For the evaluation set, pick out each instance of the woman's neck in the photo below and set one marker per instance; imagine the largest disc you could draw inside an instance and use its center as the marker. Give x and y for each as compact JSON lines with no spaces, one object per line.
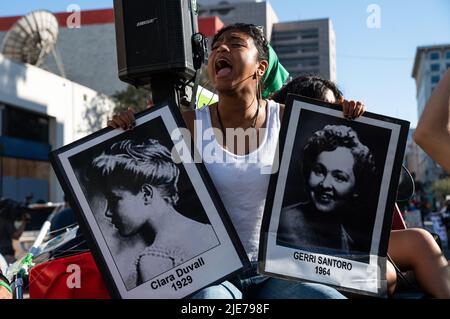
{"x":171,"y":221}
{"x":332,"y":218}
{"x":237,"y":110}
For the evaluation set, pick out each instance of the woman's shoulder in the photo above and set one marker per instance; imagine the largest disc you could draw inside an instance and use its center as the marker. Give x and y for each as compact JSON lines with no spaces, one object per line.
{"x":151,"y":265}
{"x":197,"y":233}
{"x":294,"y":207}
{"x":281,"y":108}
{"x":188,"y":116}
{"x":291,"y":214}
{"x":161,"y":257}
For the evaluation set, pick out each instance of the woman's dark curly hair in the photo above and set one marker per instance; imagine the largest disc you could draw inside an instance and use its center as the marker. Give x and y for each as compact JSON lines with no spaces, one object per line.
{"x":312,"y":86}
{"x":253,"y":31}
{"x":332,"y":137}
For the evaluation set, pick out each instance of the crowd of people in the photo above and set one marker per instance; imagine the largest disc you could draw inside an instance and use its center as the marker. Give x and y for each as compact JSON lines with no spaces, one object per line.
{"x":239,"y":59}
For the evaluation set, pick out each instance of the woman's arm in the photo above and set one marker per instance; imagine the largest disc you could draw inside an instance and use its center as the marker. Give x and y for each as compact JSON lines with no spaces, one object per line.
{"x":432,"y":133}
{"x":5,"y":288}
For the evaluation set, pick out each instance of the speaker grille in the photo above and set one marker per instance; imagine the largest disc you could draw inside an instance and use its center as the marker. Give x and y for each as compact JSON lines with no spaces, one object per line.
{"x":156,"y":38}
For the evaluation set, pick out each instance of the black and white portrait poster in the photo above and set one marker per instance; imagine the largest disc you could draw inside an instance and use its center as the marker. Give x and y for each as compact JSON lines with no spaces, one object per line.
{"x":154,"y":222}
{"x":329,"y":207}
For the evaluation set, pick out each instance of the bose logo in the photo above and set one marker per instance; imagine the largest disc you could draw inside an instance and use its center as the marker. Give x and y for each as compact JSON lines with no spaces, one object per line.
{"x":141,"y":23}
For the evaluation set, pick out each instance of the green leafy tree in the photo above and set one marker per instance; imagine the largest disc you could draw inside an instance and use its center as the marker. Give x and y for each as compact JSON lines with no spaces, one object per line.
{"x":137,"y":98}
{"x":441,"y":188}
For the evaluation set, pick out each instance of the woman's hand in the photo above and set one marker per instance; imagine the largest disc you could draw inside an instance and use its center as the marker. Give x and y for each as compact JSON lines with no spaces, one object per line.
{"x":352,"y":109}
{"x":124,"y":120}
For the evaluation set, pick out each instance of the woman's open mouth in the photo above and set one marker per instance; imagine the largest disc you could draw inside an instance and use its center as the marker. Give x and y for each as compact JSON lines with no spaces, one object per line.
{"x":223,"y":67}
{"x":325,"y":198}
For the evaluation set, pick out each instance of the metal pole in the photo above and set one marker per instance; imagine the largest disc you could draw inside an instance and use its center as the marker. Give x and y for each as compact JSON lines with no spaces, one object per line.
{"x":18,"y":283}
{"x":164,"y":88}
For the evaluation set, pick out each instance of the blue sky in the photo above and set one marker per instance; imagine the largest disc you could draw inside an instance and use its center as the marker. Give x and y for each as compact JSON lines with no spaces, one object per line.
{"x":373,"y":65}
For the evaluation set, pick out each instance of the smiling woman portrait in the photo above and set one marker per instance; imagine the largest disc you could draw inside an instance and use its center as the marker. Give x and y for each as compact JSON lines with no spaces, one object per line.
{"x":335,"y":167}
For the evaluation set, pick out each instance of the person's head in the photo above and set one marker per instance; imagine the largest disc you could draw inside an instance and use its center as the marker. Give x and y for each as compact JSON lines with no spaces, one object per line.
{"x":311,"y":86}
{"x":140,"y":181}
{"x":335,"y":164}
{"x":238,"y":58}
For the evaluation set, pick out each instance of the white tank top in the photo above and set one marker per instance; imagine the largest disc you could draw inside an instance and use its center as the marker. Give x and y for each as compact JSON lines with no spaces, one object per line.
{"x":241,"y":180}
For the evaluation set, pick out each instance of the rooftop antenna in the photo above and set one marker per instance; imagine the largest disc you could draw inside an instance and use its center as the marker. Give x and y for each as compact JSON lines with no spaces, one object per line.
{"x":32,"y":38}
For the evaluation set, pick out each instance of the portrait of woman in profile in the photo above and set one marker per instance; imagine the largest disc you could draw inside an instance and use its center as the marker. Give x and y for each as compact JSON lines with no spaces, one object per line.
{"x":337,"y":170}
{"x":140,"y":191}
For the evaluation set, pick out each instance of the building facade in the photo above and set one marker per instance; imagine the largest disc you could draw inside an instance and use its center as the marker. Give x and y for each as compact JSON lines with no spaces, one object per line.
{"x":306,"y":47}
{"x":430,"y":64}
{"x":258,"y":13}
{"x":41,"y":111}
{"x":88,"y":52}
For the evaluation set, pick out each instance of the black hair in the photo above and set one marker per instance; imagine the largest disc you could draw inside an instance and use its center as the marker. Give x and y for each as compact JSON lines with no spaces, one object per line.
{"x":312,"y":86}
{"x":332,"y":137}
{"x":253,"y":31}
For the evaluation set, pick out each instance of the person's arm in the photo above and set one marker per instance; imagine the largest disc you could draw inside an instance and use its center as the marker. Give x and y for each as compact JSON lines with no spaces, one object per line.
{"x":126,"y":120}
{"x":5,"y":288}
{"x":432,"y":133}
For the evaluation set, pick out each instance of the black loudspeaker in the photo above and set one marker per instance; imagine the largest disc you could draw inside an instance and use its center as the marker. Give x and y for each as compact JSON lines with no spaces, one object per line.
{"x":153,"y":39}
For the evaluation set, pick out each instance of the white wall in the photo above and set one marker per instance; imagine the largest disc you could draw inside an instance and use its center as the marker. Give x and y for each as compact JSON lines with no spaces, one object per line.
{"x":68,"y":103}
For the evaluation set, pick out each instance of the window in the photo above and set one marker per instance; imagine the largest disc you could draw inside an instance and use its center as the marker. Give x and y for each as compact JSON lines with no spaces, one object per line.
{"x":302,"y":47}
{"x":25,"y":125}
{"x":296,"y":32}
{"x":284,"y":37}
{"x":285,"y":49}
{"x":435,"y":79}
{"x":306,"y":50}
{"x":448,"y":65}
{"x":435,"y":67}
{"x":448,"y":55}
{"x":434,"y":55}
{"x":301,"y":62}
{"x":312,"y":35}
{"x":309,"y":47}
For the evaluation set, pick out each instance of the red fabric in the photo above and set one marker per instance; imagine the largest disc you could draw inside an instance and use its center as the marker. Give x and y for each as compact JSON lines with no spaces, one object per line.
{"x":49,"y":280}
{"x":398,"y":222}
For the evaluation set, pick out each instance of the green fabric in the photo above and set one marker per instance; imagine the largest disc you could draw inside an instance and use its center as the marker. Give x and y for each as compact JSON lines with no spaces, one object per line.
{"x":5,"y":284}
{"x":276,"y":75}
{"x":28,"y":260}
